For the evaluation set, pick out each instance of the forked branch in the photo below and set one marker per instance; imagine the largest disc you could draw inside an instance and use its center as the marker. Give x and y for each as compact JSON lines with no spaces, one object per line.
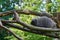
{"x":19,"y":38}
{"x":28,"y":27}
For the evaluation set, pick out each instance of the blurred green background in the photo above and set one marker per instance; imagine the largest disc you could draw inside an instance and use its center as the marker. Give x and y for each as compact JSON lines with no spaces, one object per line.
{"x":49,"y":6}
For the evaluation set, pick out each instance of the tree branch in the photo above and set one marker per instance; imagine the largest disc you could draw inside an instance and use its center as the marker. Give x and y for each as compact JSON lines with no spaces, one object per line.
{"x":19,"y":38}
{"x":29,"y":30}
{"x":16,"y":16}
{"x":38,"y":28}
{"x":9,"y":21}
{"x":31,"y":26}
{"x":27,"y":12}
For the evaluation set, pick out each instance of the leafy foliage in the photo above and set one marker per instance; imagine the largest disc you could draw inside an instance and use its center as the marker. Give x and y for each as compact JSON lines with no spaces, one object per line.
{"x":36,"y":5}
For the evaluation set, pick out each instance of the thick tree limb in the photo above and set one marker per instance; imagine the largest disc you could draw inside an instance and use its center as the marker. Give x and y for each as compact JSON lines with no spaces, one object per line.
{"x":32,"y":27}
{"x":16,"y":16}
{"x":19,"y":38}
{"x":28,"y":30}
{"x":38,"y":28}
{"x":6,"y":13}
{"x":27,"y":12}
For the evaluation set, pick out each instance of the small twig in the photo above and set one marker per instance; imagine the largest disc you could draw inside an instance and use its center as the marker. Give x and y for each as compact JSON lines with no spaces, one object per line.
{"x":9,"y":21}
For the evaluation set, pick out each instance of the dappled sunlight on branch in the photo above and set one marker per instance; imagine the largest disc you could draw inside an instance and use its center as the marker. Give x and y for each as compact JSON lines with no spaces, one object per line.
{"x":28,"y":27}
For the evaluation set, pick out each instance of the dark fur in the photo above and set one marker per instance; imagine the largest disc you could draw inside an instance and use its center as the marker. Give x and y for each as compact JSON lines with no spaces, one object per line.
{"x":46,"y":22}
{"x":43,"y":22}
